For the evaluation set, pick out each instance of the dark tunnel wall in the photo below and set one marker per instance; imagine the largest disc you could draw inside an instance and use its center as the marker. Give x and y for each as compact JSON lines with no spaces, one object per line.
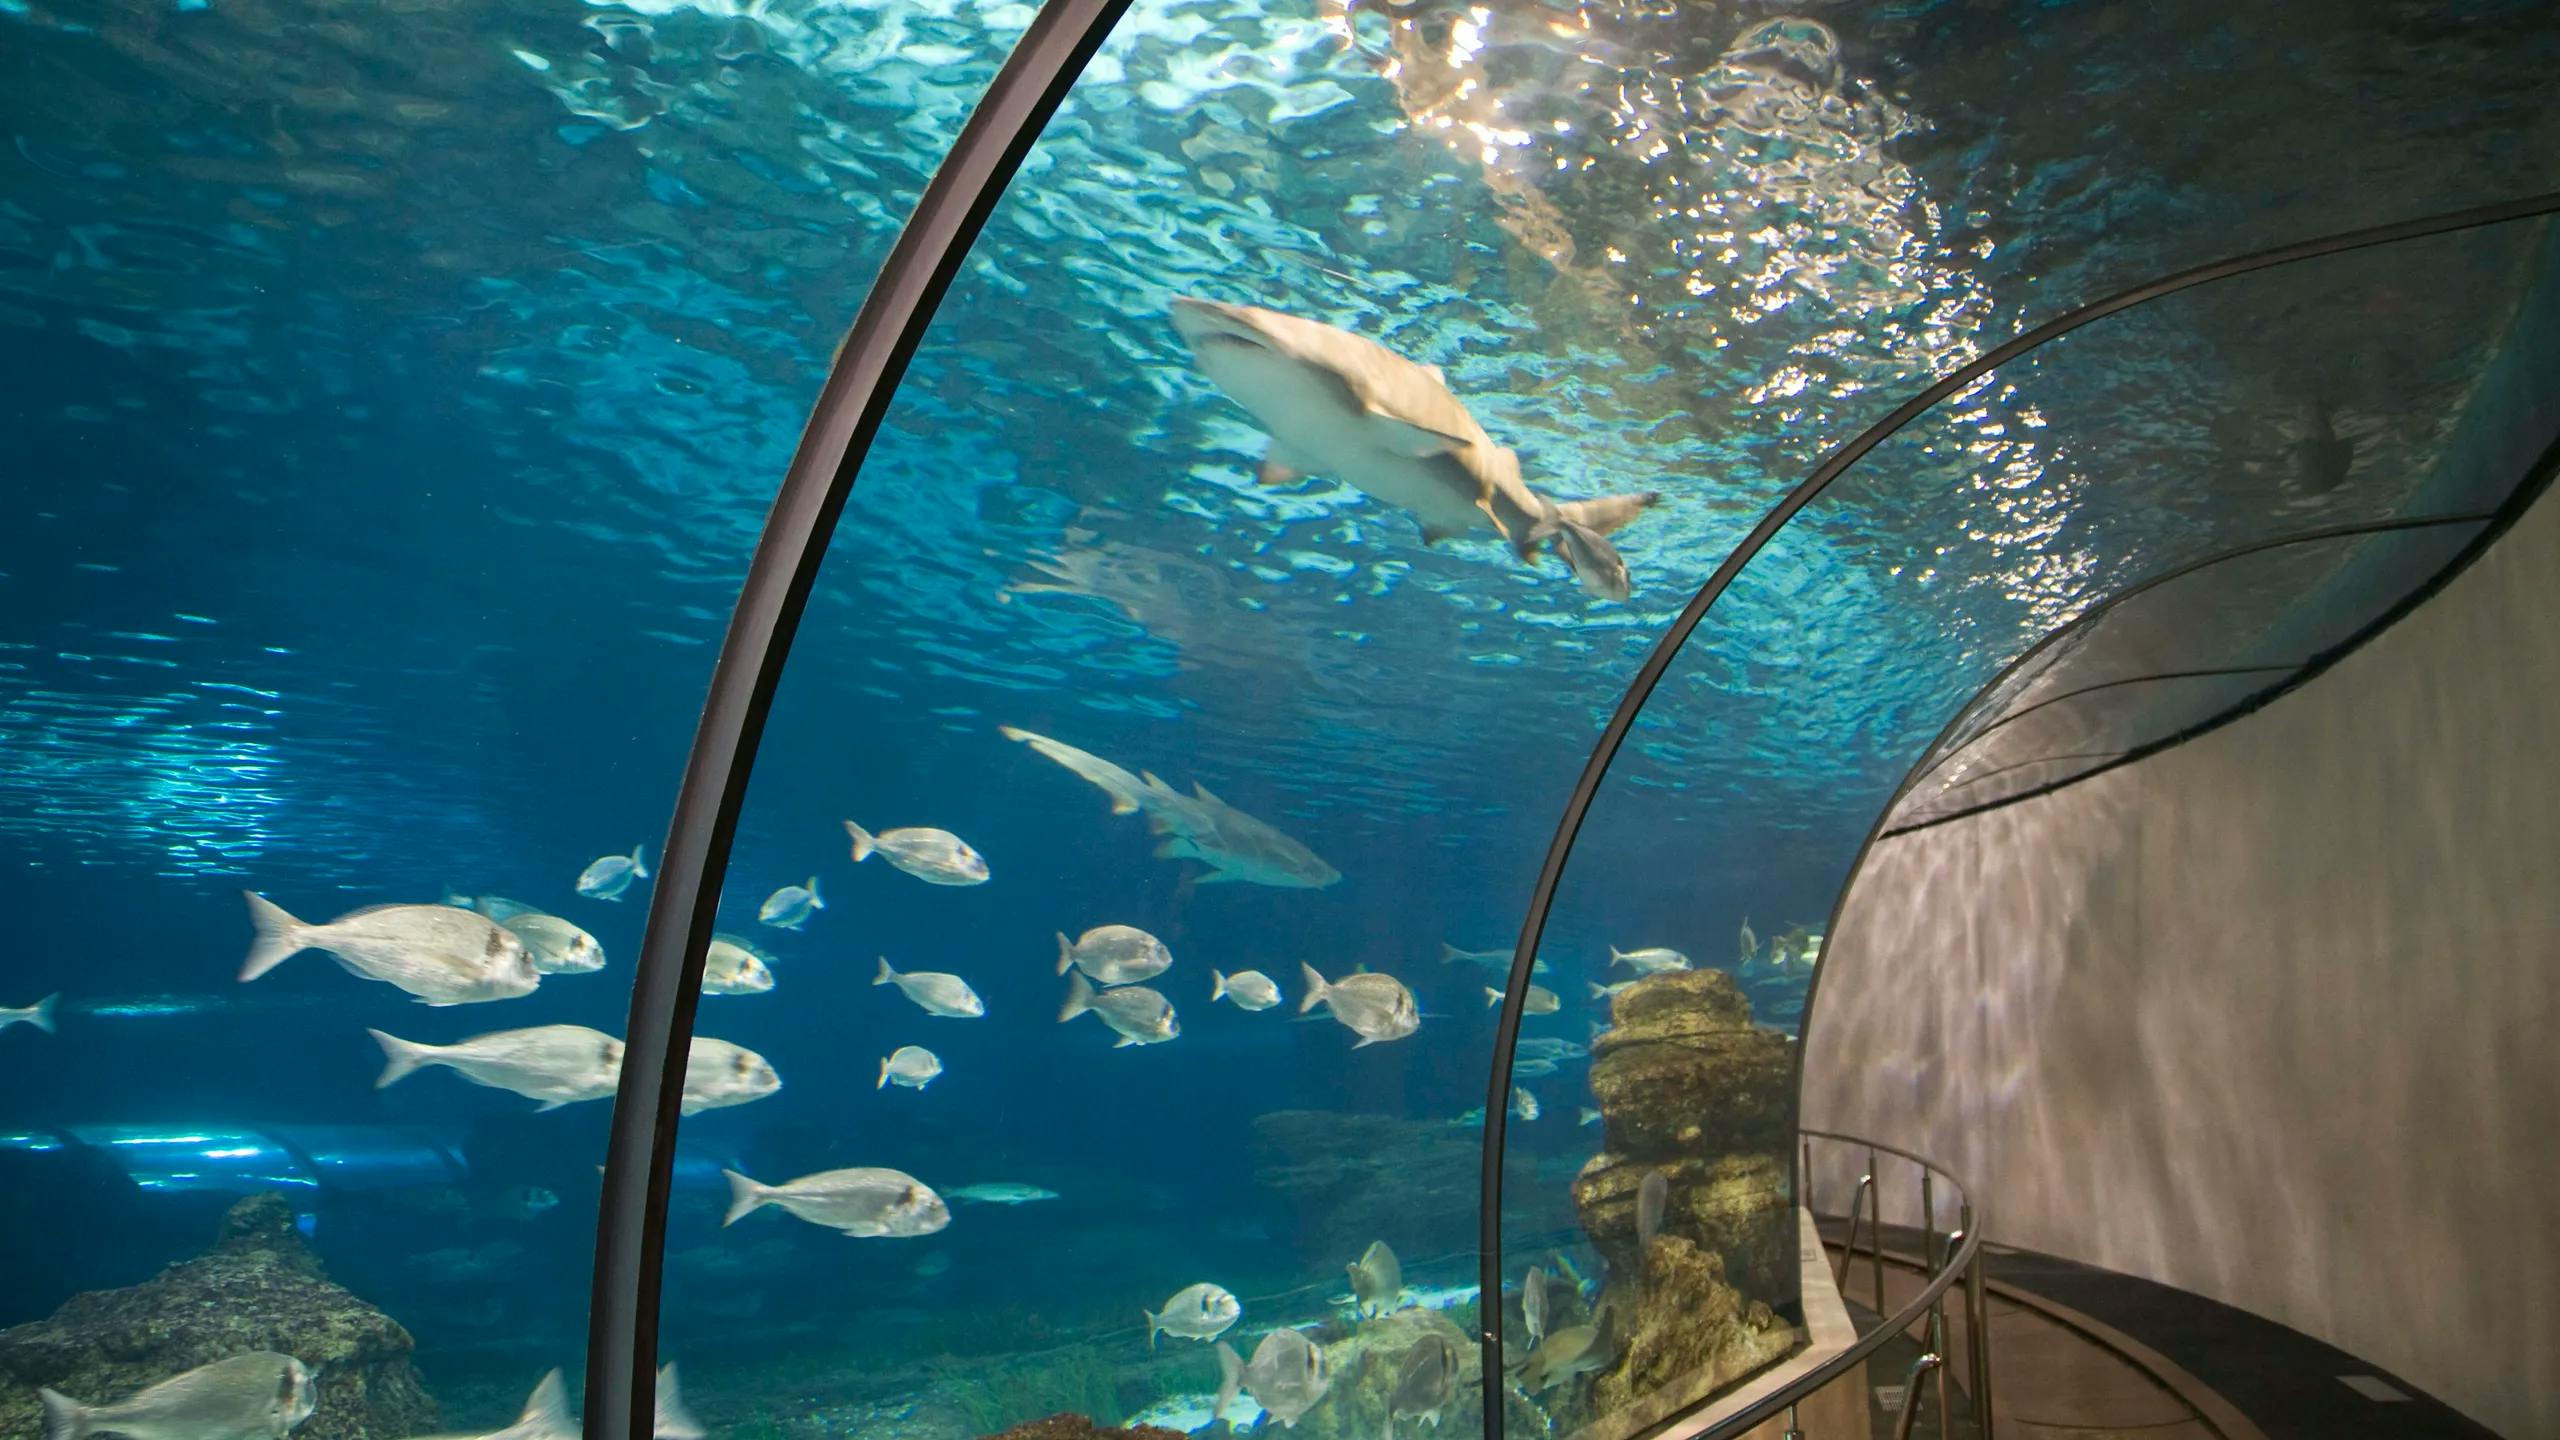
{"x":2266,"y":1015}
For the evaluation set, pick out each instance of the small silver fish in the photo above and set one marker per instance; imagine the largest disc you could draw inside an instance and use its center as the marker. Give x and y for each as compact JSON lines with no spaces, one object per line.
{"x":1524,"y":1104}
{"x":1652,"y":1193}
{"x":733,"y":967}
{"x":911,"y":1066}
{"x":1377,"y":1280}
{"x":1608,"y":992}
{"x":1653,"y":960}
{"x":1533,"y":1304}
{"x":1490,"y":959}
{"x":936,"y":857}
{"x":1140,"y":1016}
{"x":555,"y":1064}
{"x":607,"y":878}
{"x":1540,"y":1000}
{"x":718,"y":1074}
{"x":1532,"y":1067}
{"x":935,"y":992}
{"x":1426,"y":1381}
{"x":864,"y":1202}
{"x":1286,"y":1377}
{"x":1552,"y":1047}
{"x":40,"y":1014}
{"x":257,"y":1396}
{"x":1375,"y":1007}
{"x":1114,"y":955}
{"x":1002,"y":1192}
{"x":442,"y":955}
{"x":1196,"y":1312}
{"x":1247,"y":989}
{"x":1750,"y":949}
{"x":557,"y":947}
{"x":790,"y":907}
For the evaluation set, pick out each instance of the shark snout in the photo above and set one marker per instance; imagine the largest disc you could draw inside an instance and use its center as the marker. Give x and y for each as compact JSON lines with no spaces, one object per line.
{"x":1207,"y":321}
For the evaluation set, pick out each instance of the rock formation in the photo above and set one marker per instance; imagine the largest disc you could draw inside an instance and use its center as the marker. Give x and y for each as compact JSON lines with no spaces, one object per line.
{"x":258,"y":1288}
{"x":1689,"y":1088}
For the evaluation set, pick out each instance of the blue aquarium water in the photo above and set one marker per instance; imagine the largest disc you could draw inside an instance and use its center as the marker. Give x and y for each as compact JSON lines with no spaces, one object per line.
{"x":393,"y":398}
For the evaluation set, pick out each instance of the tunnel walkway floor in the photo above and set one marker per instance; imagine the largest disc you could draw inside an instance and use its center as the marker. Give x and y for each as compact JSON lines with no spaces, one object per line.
{"x":2081,"y":1353}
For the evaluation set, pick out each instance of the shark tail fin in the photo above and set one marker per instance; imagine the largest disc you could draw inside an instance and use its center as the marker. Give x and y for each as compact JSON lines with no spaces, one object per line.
{"x":673,"y":1422}
{"x":546,"y":1410}
{"x":1608,"y":513}
{"x":64,"y":1417}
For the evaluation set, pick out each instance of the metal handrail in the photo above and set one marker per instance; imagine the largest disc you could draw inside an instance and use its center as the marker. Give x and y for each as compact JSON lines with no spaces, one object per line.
{"x":1962,"y":1262}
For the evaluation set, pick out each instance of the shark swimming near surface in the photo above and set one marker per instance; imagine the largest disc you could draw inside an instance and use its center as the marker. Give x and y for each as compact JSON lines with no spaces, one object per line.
{"x":1339,"y":405}
{"x":1198,"y":826}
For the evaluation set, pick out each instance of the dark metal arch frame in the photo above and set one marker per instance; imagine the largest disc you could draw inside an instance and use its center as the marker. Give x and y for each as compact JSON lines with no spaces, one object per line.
{"x":1658,"y":662}
{"x":2081,"y":622}
{"x":622,"y":1317}
{"x":2493,"y":524}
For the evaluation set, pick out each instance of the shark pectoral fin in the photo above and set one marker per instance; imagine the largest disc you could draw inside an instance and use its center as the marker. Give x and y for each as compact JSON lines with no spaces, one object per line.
{"x":1279,"y":467}
{"x":1408,"y":439}
{"x":1608,"y":512}
{"x":1214,"y":877}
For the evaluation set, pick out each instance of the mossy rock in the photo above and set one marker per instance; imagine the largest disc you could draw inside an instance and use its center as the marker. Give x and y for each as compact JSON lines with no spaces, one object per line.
{"x":1685,"y":1330}
{"x":1068,"y":1426}
{"x":1734,"y":1206}
{"x":258,"y":1288}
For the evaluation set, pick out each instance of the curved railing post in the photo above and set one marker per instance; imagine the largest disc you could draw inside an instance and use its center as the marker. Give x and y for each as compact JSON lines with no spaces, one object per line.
{"x":622,"y":1317}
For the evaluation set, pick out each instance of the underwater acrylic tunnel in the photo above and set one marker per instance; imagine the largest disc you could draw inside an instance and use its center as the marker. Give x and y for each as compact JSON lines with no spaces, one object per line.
{"x":1069,"y":982}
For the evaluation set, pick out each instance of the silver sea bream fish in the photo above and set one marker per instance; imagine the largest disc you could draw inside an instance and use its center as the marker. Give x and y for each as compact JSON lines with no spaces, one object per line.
{"x":555,"y":1064}
{"x":260,"y":1395}
{"x":607,"y":878}
{"x":866,"y":1202}
{"x":442,"y":955}
{"x":935,"y":992}
{"x":936,"y":857}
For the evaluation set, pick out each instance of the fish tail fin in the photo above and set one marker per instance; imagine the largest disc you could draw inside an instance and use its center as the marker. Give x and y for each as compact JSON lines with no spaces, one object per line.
{"x":674,"y":1422}
{"x":1217,"y":986}
{"x":40,"y":1014}
{"x":1315,"y":989}
{"x":400,"y":1058}
{"x":1598,"y":990}
{"x":1492,"y":997}
{"x":1448,"y":953}
{"x":816,"y":901}
{"x":639,"y":862}
{"x":1079,"y":999}
{"x":280,"y":936}
{"x":64,"y":1417}
{"x":745,"y":1197}
{"x":886,"y":976}
{"x":1606,"y":514}
{"x":1155,"y":1326}
{"x":1230,"y":1379}
{"x":863,"y":844}
{"x":883,"y":1082}
{"x":1066,"y":953}
{"x":546,"y":1410}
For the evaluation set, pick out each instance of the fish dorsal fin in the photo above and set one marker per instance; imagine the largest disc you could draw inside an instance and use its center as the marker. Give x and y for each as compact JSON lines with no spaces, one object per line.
{"x":1203,"y":792}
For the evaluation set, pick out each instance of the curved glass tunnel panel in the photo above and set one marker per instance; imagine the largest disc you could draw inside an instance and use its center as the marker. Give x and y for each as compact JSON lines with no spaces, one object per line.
{"x":1720,"y":838}
{"x":2174,"y":653}
{"x":391,"y":401}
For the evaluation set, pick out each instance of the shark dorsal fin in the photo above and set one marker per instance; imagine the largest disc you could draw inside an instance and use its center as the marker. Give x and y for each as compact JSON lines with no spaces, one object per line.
{"x":1203,"y":792}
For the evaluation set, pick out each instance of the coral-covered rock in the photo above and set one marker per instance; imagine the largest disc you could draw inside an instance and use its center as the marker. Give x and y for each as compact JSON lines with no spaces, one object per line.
{"x":1685,"y":1330}
{"x":1734,"y":1206}
{"x":1364,"y":1365}
{"x":1682,"y":1072}
{"x":258,"y":1288}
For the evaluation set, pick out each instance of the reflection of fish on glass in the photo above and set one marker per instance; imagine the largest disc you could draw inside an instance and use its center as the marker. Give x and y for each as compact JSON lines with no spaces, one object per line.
{"x":257,"y":1396}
